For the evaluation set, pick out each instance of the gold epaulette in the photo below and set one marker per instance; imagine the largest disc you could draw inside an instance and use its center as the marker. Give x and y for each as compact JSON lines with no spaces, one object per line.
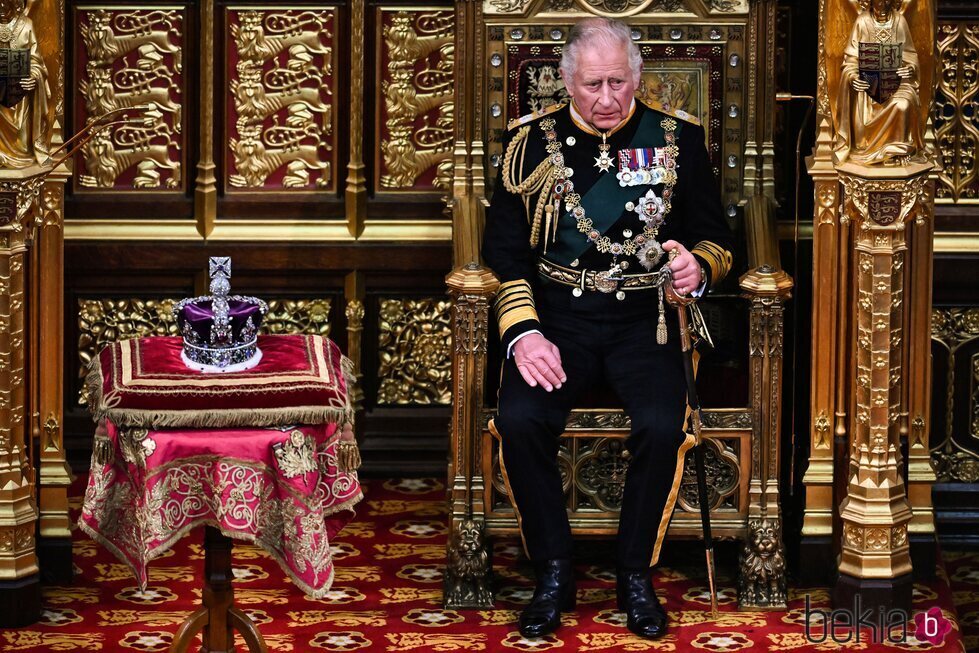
{"x":676,"y":113}
{"x":523,"y":120}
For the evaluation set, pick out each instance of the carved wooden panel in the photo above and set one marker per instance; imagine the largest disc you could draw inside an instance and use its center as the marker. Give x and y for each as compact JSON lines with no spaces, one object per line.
{"x":415,"y":351}
{"x":415,"y":109}
{"x":955,"y":400}
{"x":954,"y":114}
{"x":280,"y":101}
{"x":127,"y":57}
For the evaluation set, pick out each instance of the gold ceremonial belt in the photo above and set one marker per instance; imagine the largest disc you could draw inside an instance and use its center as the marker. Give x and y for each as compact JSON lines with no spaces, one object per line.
{"x":605,"y":281}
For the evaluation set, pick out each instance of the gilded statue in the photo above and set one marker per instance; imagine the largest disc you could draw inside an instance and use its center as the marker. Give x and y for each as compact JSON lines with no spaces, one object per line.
{"x":24,"y":129}
{"x":878,"y":105}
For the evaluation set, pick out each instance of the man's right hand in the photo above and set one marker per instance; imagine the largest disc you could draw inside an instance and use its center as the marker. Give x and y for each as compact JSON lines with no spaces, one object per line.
{"x":539,"y":361}
{"x":861,"y":85}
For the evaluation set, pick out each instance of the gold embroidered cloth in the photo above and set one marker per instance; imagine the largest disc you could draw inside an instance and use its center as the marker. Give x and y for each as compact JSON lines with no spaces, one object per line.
{"x":280,"y":488}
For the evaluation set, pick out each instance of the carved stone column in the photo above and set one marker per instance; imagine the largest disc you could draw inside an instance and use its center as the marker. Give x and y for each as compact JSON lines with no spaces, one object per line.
{"x":467,"y":573}
{"x":828,"y":404}
{"x":761,"y":583}
{"x":916,"y":424}
{"x":875,"y":559}
{"x":20,"y":595}
{"x":47,"y":378}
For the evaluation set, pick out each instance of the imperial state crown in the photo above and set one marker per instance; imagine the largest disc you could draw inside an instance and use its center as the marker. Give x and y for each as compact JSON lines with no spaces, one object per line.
{"x":220,"y":330}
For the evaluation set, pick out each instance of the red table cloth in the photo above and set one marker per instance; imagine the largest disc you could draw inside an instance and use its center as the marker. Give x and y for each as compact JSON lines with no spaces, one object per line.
{"x":280,"y":488}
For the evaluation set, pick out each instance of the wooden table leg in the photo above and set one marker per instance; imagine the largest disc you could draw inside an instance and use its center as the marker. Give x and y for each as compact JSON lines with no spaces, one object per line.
{"x":219,"y":616}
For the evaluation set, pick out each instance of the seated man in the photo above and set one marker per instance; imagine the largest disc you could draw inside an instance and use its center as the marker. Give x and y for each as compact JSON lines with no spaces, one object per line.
{"x":586,"y":192}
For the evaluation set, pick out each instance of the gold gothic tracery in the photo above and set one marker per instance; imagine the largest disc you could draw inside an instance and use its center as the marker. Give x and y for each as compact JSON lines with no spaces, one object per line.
{"x":282,"y":85}
{"x":956,"y":122}
{"x":414,"y":346}
{"x":416,"y":86}
{"x":955,"y":440}
{"x":132,"y":57}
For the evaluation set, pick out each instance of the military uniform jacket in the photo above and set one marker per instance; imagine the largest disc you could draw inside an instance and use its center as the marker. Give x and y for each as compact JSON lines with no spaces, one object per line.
{"x":536,"y":215}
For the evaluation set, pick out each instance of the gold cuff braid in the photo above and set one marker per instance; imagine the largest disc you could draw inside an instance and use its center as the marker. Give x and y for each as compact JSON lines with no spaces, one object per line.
{"x":718,"y":258}
{"x":514,"y":303}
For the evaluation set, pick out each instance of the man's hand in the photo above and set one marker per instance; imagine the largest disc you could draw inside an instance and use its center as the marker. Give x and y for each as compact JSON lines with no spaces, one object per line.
{"x":28,"y":83}
{"x":860,"y":85}
{"x":539,"y":361}
{"x":905,"y":72}
{"x":686,"y":269}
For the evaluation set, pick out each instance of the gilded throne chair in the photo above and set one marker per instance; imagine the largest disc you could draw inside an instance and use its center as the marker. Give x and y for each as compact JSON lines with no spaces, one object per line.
{"x":696,"y":61}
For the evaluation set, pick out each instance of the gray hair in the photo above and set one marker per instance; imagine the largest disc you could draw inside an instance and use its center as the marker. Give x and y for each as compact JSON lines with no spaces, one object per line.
{"x":602,"y":32}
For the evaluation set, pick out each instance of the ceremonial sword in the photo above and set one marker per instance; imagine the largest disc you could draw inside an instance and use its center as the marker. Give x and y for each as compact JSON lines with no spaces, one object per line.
{"x":681,"y":303}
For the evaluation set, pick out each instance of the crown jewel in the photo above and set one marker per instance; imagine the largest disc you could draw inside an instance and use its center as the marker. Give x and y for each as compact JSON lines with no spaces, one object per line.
{"x":220,"y":330}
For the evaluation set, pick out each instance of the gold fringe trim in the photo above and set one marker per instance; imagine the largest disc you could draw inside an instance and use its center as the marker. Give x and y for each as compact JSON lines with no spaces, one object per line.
{"x":234,"y":417}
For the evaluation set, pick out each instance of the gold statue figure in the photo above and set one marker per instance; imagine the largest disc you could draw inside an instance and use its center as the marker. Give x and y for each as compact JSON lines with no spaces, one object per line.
{"x":24,"y":129}
{"x":878,"y":106}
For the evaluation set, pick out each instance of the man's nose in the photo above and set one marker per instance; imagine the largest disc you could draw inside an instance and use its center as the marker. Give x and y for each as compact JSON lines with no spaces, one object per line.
{"x":605,"y":95}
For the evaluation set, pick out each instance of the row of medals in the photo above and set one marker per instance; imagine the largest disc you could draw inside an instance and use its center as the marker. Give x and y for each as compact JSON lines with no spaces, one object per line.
{"x":650,"y":208}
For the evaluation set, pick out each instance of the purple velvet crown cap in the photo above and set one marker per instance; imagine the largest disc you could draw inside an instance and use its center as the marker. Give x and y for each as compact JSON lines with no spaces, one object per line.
{"x":199,"y":316}
{"x":220,"y":331}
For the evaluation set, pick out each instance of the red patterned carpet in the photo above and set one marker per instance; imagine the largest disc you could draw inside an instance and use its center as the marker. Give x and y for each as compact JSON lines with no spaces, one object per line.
{"x":387,"y":597}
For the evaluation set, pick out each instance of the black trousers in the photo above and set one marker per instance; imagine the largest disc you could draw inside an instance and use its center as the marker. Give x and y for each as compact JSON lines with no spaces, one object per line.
{"x":649,"y":380}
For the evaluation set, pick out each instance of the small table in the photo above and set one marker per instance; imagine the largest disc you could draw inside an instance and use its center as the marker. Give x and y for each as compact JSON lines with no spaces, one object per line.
{"x":219,"y":616}
{"x":279,"y":488}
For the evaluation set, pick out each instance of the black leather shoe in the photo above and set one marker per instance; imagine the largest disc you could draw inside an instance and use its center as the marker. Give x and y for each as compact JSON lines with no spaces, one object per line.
{"x":637,"y":598}
{"x":555,"y":592}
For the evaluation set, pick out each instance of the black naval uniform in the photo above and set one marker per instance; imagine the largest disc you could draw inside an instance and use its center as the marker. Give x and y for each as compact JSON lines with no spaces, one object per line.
{"x":599,"y":334}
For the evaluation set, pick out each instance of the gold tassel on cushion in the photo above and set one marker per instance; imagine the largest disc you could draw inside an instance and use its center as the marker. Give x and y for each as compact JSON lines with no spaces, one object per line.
{"x":348,"y":454}
{"x":103,"y":452}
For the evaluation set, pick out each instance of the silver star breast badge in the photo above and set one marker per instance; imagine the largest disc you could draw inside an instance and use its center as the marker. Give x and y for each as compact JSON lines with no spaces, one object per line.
{"x":603,"y":162}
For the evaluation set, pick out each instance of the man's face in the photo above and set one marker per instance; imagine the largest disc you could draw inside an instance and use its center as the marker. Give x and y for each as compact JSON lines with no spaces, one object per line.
{"x":602,"y":86}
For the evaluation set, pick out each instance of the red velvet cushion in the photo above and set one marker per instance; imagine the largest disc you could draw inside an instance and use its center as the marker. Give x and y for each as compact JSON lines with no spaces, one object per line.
{"x":301,"y":379}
